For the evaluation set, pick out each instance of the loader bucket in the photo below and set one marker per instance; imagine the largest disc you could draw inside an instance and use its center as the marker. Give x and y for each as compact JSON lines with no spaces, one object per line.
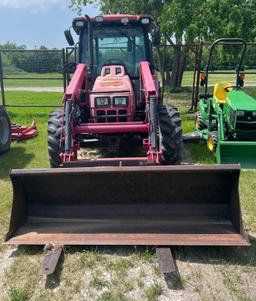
{"x":144,"y":205}
{"x":237,"y":152}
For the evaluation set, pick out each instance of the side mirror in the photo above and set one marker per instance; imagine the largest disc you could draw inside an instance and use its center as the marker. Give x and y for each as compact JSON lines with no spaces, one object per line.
{"x":69,"y":37}
{"x":156,"y":37}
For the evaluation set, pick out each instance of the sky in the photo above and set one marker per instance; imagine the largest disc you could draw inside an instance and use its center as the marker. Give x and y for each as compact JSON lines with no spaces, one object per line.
{"x":37,"y":22}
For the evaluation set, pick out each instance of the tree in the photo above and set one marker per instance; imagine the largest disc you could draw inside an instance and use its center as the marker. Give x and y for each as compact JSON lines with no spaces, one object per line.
{"x":187,"y":21}
{"x":44,"y":61}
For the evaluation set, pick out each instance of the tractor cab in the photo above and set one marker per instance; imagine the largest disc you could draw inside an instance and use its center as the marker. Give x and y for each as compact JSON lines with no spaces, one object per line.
{"x":113,"y":48}
{"x":115,"y":40}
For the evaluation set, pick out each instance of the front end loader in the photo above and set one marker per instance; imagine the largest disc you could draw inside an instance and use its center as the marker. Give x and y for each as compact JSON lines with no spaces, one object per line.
{"x":227,"y":118}
{"x":113,"y":97}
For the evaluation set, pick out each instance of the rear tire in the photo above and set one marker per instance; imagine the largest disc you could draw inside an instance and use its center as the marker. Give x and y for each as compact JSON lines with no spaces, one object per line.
{"x":56,"y":142}
{"x":170,"y":135}
{"x":5,"y":131}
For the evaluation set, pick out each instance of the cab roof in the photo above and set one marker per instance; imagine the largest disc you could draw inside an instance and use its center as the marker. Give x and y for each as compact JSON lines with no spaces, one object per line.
{"x":112,"y":19}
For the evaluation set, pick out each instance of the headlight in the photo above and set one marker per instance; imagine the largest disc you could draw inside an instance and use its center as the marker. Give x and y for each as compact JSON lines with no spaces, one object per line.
{"x":240,"y":114}
{"x":102,"y":101}
{"x":254,"y":114}
{"x":121,"y":101}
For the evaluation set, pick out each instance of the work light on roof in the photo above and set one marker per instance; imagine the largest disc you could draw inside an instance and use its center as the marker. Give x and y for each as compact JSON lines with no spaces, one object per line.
{"x":79,"y":24}
{"x":145,"y":21}
{"x":125,"y":20}
{"x":99,"y":19}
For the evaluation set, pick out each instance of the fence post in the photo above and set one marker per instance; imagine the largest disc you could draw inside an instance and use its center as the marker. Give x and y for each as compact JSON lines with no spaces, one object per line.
{"x":63,"y":71}
{"x":2,"y":80}
{"x":199,"y":61}
{"x":194,"y":80}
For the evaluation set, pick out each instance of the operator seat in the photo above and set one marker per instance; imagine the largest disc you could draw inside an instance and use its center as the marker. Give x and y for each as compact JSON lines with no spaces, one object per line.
{"x":219,"y":93}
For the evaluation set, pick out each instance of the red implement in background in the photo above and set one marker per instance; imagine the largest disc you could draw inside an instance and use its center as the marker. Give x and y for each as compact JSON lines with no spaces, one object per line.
{"x":19,"y":132}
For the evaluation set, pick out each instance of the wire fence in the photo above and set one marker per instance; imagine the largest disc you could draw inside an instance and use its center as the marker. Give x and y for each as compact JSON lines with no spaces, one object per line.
{"x":37,"y":70}
{"x":225,"y":60}
{"x":44,"y":70}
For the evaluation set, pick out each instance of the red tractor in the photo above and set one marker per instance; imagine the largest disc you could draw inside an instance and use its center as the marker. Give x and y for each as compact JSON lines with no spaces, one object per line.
{"x":114,"y":95}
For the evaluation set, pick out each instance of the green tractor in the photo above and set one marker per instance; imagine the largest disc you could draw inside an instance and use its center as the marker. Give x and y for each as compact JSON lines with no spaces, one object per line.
{"x":227,"y":118}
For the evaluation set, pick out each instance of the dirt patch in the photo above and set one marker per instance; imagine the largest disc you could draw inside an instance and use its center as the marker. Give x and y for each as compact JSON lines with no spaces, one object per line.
{"x":35,"y":89}
{"x":7,"y":258}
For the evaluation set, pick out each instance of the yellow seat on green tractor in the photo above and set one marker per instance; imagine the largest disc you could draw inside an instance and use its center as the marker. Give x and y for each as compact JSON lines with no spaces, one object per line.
{"x":220,"y":94}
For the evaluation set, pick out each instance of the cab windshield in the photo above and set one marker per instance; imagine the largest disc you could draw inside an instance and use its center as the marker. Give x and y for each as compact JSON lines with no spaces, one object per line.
{"x":116,"y":45}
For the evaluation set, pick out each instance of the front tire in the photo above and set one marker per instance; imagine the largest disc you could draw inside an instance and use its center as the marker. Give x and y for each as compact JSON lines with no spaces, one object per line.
{"x":170,"y":135}
{"x":212,"y":141}
{"x":199,"y":122}
{"x":5,"y":131}
{"x":56,"y":139}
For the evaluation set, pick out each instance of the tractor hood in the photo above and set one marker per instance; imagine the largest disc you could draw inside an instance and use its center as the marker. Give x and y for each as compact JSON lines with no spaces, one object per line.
{"x":110,"y":84}
{"x":113,"y":79}
{"x":241,"y":101}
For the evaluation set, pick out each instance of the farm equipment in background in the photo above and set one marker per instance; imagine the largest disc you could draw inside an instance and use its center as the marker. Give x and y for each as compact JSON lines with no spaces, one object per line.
{"x":20,"y":132}
{"x":114,"y":96}
{"x":9,"y":132}
{"x":227,"y":119}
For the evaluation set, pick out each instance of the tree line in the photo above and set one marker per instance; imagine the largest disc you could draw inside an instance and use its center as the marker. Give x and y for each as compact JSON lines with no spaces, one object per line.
{"x":187,"y":21}
{"x":45,"y":61}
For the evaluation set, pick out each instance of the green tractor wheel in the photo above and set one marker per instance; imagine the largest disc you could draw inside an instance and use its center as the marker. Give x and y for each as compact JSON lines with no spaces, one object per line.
{"x":199,"y":123}
{"x":212,"y":141}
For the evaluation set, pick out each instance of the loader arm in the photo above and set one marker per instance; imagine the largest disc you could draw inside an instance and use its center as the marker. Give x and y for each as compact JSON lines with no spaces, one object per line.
{"x":148,"y":87}
{"x":78,"y":82}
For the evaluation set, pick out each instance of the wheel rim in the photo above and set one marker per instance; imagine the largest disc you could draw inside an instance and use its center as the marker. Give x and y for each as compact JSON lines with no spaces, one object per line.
{"x":197,"y":123}
{"x":210,"y":143}
{"x":4,"y":130}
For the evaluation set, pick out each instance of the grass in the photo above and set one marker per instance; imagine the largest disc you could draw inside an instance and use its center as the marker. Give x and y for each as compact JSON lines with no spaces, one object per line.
{"x":18,"y":294}
{"x":49,"y":80}
{"x":250,"y":79}
{"x":153,"y":292}
{"x":115,"y":274}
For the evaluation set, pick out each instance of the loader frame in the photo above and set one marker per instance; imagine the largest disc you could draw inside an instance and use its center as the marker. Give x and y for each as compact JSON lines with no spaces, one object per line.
{"x":150,"y":144}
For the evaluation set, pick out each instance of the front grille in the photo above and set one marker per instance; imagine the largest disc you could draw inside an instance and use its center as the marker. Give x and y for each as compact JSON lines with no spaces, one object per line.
{"x":112,"y":116}
{"x":101,"y":113}
{"x":122,"y":112}
{"x":248,"y":117}
{"x":112,"y":113}
{"x":246,"y":126}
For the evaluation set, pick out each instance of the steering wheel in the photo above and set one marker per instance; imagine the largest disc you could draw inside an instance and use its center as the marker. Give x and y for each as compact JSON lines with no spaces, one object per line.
{"x":229,"y":87}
